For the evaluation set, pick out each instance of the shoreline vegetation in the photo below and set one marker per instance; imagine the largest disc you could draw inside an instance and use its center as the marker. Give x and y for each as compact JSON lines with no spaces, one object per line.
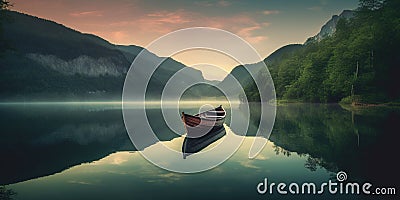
{"x":344,"y":104}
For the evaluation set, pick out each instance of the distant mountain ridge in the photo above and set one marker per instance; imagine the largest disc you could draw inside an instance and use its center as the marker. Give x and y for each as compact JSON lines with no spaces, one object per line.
{"x":50,"y":61}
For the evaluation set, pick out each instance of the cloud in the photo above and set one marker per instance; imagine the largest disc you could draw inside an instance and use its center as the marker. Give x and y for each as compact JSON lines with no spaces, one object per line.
{"x":119,"y":35}
{"x":248,"y":35}
{"x":87,"y":14}
{"x":271,"y":12}
{"x":140,"y":26}
{"x":178,"y":17}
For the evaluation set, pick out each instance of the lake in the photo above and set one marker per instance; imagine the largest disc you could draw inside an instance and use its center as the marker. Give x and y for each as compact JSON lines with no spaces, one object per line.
{"x":82,"y":151}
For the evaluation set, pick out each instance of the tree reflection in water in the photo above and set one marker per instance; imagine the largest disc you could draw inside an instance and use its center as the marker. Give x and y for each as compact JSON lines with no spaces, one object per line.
{"x":332,"y":137}
{"x":6,"y":194}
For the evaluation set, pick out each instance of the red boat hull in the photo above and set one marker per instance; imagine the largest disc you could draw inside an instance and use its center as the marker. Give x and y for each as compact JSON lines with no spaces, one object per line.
{"x":204,"y":123}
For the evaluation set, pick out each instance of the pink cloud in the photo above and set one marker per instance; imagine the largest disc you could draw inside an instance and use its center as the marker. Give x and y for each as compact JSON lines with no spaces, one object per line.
{"x":130,"y":24}
{"x":247,"y":34}
{"x":177,"y":17}
{"x":87,"y":13}
{"x":143,"y":29}
{"x":242,"y":25}
{"x":119,"y":35}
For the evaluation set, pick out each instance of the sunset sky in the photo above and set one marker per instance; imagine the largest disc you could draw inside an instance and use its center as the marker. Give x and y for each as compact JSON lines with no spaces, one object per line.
{"x":267,"y":25}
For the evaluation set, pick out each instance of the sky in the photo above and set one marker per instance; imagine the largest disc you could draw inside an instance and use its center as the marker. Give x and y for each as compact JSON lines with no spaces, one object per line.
{"x":266,"y":24}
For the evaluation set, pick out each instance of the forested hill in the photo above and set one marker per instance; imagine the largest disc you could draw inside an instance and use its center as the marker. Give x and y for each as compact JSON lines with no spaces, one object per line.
{"x":361,"y":54}
{"x":41,"y":60}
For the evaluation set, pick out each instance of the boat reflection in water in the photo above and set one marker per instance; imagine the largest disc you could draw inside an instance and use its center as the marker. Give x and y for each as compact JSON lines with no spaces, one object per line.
{"x":194,"y":145}
{"x":202,"y":129}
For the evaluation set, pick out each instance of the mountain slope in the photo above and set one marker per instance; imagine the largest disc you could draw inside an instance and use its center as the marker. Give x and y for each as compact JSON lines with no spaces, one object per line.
{"x":243,"y":76}
{"x":281,"y":52}
{"x":52,"y":62}
{"x":329,"y":28}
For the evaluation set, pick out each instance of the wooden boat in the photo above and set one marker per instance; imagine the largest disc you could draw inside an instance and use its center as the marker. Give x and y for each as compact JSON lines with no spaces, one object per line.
{"x":204,"y":123}
{"x":194,"y":145}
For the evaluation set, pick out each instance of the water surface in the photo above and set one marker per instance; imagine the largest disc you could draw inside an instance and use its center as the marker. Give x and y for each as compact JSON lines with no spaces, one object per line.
{"x":83,"y":151}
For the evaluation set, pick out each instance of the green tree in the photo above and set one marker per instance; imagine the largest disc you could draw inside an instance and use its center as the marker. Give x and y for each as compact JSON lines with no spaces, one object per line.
{"x":371,"y":4}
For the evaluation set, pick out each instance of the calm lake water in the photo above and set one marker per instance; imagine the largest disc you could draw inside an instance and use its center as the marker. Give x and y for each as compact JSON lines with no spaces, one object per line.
{"x":84,"y":152}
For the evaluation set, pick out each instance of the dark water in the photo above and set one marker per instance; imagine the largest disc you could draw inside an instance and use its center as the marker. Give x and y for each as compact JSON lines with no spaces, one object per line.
{"x":84,"y":152}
